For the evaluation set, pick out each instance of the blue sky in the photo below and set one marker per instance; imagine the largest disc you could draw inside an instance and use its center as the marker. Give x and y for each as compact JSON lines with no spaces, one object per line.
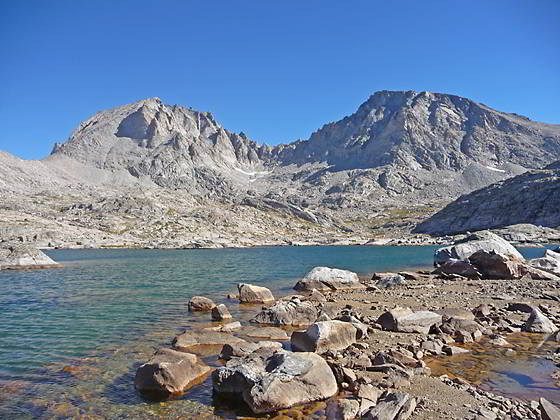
{"x":275,"y":70}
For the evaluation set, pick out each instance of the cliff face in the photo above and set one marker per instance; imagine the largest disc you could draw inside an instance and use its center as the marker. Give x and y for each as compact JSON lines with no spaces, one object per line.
{"x":397,"y":158}
{"x":533,"y":198}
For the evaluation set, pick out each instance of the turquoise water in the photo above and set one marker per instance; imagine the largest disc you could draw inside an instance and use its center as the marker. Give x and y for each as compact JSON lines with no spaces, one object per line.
{"x":71,"y":338}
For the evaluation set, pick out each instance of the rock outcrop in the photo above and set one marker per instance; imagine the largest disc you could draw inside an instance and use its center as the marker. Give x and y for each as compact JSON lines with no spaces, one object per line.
{"x":272,"y":380}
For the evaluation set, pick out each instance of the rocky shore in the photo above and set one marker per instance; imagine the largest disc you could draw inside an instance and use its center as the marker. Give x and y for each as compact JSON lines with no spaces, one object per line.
{"x":375,"y":347}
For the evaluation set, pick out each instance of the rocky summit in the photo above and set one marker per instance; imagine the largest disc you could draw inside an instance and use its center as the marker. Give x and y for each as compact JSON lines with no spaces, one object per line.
{"x":156,"y":175}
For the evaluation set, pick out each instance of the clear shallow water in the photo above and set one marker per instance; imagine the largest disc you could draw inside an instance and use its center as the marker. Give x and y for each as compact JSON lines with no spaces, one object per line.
{"x":71,"y":338}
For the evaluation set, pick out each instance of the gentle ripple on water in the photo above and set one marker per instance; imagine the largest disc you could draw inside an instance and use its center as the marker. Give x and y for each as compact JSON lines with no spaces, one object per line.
{"x":71,"y":338}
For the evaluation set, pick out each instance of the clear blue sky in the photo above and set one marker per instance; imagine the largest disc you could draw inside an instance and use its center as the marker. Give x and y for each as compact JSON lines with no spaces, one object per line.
{"x":275,"y":70}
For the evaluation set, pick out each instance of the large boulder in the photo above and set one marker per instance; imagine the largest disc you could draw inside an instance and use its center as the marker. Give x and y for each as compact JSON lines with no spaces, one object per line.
{"x":493,"y":265}
{"x":479,"y":241}
{"x":24,"y":257}
{"x":388,"y":320}
{"x":273,"y":380}
{"x":539,"y":323}
{"x":169,"y":372}
{"x":324,"y":336}
{"x":249,"y":293}
{"x":325,"y":279}
{"x":193,"y":338}
{"x":201,"y":304}
{"x":293,"y":312}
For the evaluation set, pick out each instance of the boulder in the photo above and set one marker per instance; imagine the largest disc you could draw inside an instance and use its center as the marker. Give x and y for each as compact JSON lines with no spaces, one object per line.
{"x":479,"y":241}
{"x":388,"y":320}
{"x":390,"y":282}
{"x":392,"y":406}
{"x":538,"y":323}
{"x":521,"y":307}
{"x":404,"y":320}
{"x":24,"y":257}
{"x":192,"y":338}
{"x":342,"y":409}
{"x":326,"y":279}
{"x":269,"y":333}
{"x":324,"y":336}
{"x":317,"y":296}
{"x":550,"y":262}
{"x":229,"y":327}
{"x":457,"y":313}
{"x":460,"y":268}
{"x":493,"y":265}
{"x":482,"y":310}
{"x":169,"y":372}
{"x":418,"y":322}
{"x":548,"y":410}
{"x":452,"y":326}
{"x":453,"y":350}
{"x":294,"y":312}
{"x":220,"y":313}
{"x":249,"y":293}
{"x":273,"y":380}
{"x":201,"y":303}
{"x":243,"y":349}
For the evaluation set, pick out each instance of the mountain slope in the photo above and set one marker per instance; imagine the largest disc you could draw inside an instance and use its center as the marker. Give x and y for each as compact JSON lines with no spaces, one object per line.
{"x":149,"y":172}
{"x":533,"y":197}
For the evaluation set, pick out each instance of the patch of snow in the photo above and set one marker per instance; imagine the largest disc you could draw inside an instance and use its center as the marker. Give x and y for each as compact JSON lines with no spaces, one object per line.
{"x":495,"y":169}
{"x":252,"y":173}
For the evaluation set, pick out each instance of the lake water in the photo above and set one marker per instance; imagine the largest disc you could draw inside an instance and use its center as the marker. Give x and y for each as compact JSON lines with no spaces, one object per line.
{"x":71,"y":338}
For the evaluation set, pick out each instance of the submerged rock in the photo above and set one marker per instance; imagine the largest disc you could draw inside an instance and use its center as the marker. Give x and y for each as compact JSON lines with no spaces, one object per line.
{"x":273,"y":380}
{"x":24,"y":257}
{"x":293,"y":312}
{"x":324,"y":336}
{"x":201,"y":304}
{"x":269,"y":333}
{"x":249,"y":293}
{"x":169,"y":372}
{"x":326,"y":279}
{"x":193,"y":338}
